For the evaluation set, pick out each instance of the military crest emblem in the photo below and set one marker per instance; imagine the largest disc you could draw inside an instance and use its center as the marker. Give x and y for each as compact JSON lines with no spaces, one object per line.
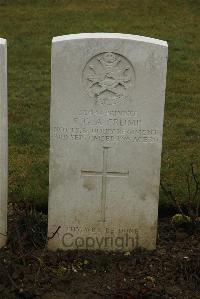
{"x":107,"y":77}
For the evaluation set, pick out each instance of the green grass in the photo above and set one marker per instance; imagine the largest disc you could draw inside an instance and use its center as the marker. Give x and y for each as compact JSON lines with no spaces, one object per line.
{"x":29,"y":27}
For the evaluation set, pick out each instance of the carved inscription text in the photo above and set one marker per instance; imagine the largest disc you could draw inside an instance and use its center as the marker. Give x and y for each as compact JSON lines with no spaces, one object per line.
{"x":107,"y":126}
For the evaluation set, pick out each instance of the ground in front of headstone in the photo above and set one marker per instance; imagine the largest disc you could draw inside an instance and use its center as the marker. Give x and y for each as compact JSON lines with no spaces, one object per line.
{"x":27,"y":270}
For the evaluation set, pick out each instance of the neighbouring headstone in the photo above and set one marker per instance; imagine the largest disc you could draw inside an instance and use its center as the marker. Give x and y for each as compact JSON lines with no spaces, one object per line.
{"x":3,"y":142}
{"x":107,"y":106}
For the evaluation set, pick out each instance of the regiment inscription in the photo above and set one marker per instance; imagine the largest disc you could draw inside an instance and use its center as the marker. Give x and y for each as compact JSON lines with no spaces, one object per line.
{"x":112,"y":126}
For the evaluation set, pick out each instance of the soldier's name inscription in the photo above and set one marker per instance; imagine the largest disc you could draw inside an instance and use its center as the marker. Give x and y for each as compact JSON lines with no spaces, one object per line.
{"x":107,"y":125}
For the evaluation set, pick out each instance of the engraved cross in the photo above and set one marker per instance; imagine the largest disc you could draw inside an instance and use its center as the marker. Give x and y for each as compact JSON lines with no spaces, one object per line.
{"x":104,"y":174}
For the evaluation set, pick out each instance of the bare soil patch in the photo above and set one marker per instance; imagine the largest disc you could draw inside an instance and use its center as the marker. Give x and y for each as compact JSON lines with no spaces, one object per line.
{"x":28,"y":270}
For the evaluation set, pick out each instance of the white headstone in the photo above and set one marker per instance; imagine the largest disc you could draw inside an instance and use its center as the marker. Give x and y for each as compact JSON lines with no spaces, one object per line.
{"x":107,"y":105}
{"x":3,"y":142}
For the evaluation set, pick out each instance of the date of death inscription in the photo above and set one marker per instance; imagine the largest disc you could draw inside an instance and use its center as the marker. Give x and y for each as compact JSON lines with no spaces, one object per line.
{"x":106,"y":126}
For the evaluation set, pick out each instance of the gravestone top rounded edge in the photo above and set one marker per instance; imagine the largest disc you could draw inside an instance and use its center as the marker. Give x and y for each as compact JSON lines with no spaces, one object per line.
{"x":101,"y":35}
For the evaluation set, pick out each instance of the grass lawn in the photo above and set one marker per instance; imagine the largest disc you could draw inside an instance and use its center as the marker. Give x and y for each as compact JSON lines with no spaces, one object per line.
{"x":29,"y":27}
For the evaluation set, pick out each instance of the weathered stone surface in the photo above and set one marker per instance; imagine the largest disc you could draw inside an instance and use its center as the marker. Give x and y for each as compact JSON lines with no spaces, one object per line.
{"x":108,"y":93}
{"x":3,"y":142}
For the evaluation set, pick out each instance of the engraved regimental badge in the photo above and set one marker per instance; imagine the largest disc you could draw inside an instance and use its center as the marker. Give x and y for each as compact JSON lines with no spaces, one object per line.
{"x":107,"y":77}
